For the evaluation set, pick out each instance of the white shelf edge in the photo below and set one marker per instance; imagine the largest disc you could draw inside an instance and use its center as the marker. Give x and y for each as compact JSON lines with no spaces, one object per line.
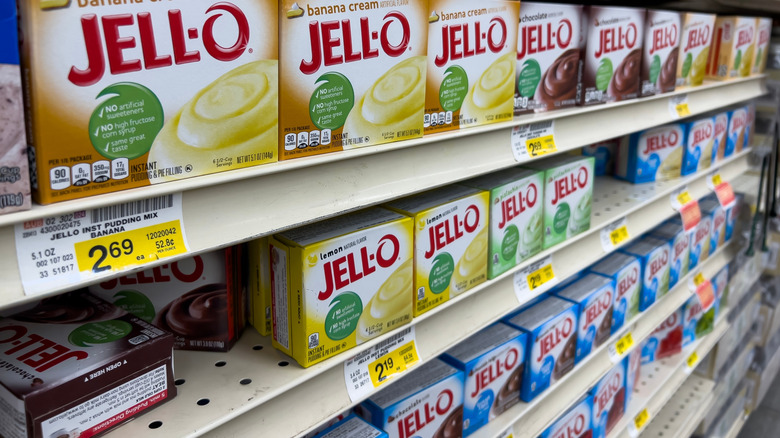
{"x":287,"y":194}
{"x":737,"y":426}
{"x":684,"y":411}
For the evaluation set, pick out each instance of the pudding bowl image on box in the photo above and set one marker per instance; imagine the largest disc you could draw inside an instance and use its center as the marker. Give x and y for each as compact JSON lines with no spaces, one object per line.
{"x":660,"y":52}
{"x":626,"y":271}
{"x":471,"y":63}
{"x":652,"y":155}
{"x":548,"y":57}
{"x":699,"y":141}
{"x":655,"y":255}
{"x":340,"y":282}
{"x":595,"y":295}
{"x":350,"y":77}
{"x":103,"y":120}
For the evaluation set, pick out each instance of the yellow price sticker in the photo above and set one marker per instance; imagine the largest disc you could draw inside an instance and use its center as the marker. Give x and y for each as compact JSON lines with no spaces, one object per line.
{"x":619,"y":235}
{"x":684,"y":197}
{"x":692,"y":360}
{"x":540,"y":146}
{"x":717,"y":180}
{"x":698,"y":279}
{"x":131,"y":248}
{"x":641,"y":419}
{"x":682,"y":109}
{"x":540,"y":276}
{"x":392,"y":363}
{"x":624,"y":343}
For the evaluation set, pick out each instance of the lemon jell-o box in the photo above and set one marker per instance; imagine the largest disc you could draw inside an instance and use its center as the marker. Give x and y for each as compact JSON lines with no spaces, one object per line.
{"x":350,"y":74}
{"x":450,"y":242}
{"x":340,"y":282}
{"x":763,"y":35}
{"x":516,"y":214}
{"x":695,"y":39}
{"x":138,"y":93}
{"x":471,"y":63}
{"x":568,"y":196}
{"x":733,"y":48}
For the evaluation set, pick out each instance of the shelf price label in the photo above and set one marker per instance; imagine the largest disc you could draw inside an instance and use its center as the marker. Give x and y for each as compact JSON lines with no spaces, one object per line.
{"x":690,"y":362}
{"x":683,"y":202}
{"x":533,"y":140}
{"x":704,"y":290}
{"x":639,"y":422}
{"x":678,"y":106}
{"x":86,"y":244}
{"x":508,"y":433}
{"x":614,"y":234}
{"x":387,"y":360}
{"x":620,"y":347}
{"x":534,"y":278}
{"x":723,"y":190}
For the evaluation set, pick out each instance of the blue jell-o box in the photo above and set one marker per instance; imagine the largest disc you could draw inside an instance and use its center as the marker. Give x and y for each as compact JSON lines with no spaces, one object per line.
{"x":492,"y":362}
{"x":626,"y":271}
{"x":577,"y":422}
{"x":711,"y":207}
{"x":604,"y":154}
{"x":551,"y":325}
{"x":426,"y":403}
{"x":735,"y":139}
{"x":655,"y":255}
{"x":651,"y":155}
{"x":699,"y":138}
{"x":595,"y":295}
{"x":700,"y":241}
{"x":352,"y":426}
{"x":680,"y":243}
{"x":720,"y":137}
{"x":609,"y":400}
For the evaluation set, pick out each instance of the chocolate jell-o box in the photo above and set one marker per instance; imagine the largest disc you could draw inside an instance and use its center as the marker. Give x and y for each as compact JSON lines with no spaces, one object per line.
{"x":200,"y":300}
{"x":471,"y":63}
{"x":695,"y":39}
{"x":595,"y":295}
{"x":551,"y":325}
{"x":548,"y":56}
{"x":108,"y":108}
{"x":350,"y":74}
{"x":492,"y":361}
{"x":577,"y":422}
{"x":77,"y":366}
{"x":609,"y":400}
{"x":613,"y":55}
{"x":426,"y":403}
{"x":626,"y":271}
{"x":660,"y":52}
{"x":666,"y":339}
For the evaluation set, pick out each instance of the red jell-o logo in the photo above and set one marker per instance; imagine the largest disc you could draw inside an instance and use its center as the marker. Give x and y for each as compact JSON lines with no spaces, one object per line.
{"x":570,"y":183}
{"x":559,"y":333}
{"x":662,"y":140}
{"x":573,"y":428}
{"x":720,"y":125}
{"x":609,"y":390}
{"x":495,"y":369}
{"x":332,"y":41}
{"x":425,"y":414}
{"x":543,"y":37}
{"x":663,"y":37}
{"x":702,"y":133}
{"x":34,"y":350}
{"x":515,"y":205}
{"x":744,"y":36}
{"x":108,"y":48}
{"x":697,"y":37}
{"x":598,"y":307}
{"x":670,"y":322}
{"x":466,"y":40}
{"x":719,"y":219}
{"x":702,"y":231}
{"x":446,"y":232}
{"x":681,"y":245}
{"x":159,"y":274}
{"x":628,"y":281}
{"x":763,"y":37}
{"x":616,"y":38}
{"x":345,"y":270}
{"x":659,"y":262}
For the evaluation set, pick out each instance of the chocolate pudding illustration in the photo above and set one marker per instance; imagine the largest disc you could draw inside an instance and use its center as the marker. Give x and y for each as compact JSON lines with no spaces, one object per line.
{"x":558,"y":87}
{"x":200,"y":313}
{"x":625,"y":81}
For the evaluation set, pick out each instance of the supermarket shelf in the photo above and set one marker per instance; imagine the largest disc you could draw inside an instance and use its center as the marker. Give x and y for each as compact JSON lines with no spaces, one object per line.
{"x":734,"y":431}
{"x":287,"y":194}
{"x":660,"y":380}
{"x":684,"y":411}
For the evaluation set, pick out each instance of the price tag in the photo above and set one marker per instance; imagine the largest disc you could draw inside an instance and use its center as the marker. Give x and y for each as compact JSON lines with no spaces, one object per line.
{"x":533,"y":140}
{"x":508,"y":433}
{"x":639,"y":422}
{"x":368,"y":370}
{"x":704,"y":290}
{"x":534,"y":278}
{"x":722,"y":189}
{"x":614,"y":234}
{"x":620,"y":347}
{"x":87,"y":244}
{"x":691,"y":362}
{"x":683,"y":202}
{"x":678,"y":106}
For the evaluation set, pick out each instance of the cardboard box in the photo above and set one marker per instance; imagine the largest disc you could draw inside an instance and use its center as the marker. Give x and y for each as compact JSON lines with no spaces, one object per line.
{"x":666,"y":340}
{"x":660,"y":52}
{"x":609,"y":400}
{"x":680,"y":244}
{"x":654,"y":154}
{"x":625,"y":271}
{"x":655,"y":255}
{"x":595,"y":296}
{"x":577,"y":422}
{"x":695,"y":39}
{"x":732,"y":54}
{"x":699,"y":141}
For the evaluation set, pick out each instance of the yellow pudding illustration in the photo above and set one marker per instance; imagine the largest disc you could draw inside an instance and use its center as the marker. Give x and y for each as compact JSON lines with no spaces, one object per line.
{"x":434,"y":17}
{"x":472,"y":267}
{"x":233,"y":116}
{"x":394,"y":103}
{"x":671,"y":166}
{"x":532,"y":237}
{"x":747,"y":62}
{"x":50,"y":4}
{"x":699,"y":67}
{"x":493,"y":92}
{"x":295,"y":11}
{"x":392,"y":302}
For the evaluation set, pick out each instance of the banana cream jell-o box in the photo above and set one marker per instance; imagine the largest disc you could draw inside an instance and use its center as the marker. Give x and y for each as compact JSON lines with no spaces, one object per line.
{"x":127,"y":94}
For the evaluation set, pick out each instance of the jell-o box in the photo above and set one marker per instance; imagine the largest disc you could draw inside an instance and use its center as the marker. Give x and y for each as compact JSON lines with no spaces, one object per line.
{"x":735,"y":137}
{"x":666,"y":339}
{"x":609,"y":400}
{"x":471,"y":63}
{"x":258,"y":285}
{"x":351,"y":426}
{"x":660,"y":52}
{"x":551,"y":324}
{"x":763,"y":35}
{"x":655,"y":255}
{"x":733,"y":49}
{"x":680,"y":242}
{"x":426,"y":403}
{"x":626,"y":271}
{"x":516,"y":215}
{"x":651,"y":155}
{"x":492,"y":361}
{"x":577,"y":422}
{"x":595,"y":295}
{"x":548,"y":56}
{"x":141,"y":93}
{"x":700,"y":242}
{"x":711,"y":208}
{"x":350,"y":77}
{"x":699,"y":140}
{"x":695,"y":39}
{"x":450,"y":242}
{"x":340,"y":282}
{"x":613,"y":55}
{"x":720,"y":136}
{"x":603,"y":153}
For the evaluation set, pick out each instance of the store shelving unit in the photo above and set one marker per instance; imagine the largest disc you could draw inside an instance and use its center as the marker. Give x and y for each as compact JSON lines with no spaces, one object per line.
{"x":684,"y":410}
{"x":287,"y":194}
{"x":734,"y":431}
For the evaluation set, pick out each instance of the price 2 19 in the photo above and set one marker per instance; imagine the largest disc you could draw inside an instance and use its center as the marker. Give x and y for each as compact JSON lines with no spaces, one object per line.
{"x":115,"y":250}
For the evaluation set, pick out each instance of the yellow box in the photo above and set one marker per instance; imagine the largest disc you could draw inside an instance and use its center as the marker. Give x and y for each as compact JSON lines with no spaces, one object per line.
{"x":695,"y":39}
{"x":472,"y":50}
{"x":124,"y":94}
{"x":351,"y":74}
{"x":732,"y":52}
{"x":450,"y":242}
{"x":259,"y":285}
{"x":763,"y":35}
{"x":340,"y":282}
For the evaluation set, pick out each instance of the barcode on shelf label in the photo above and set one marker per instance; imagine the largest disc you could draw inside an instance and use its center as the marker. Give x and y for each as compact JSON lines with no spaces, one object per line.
{"x":57,"y":251}
{"x":614,"y":234}
{"x":370,"y":369}
{"x":534,"y":279}
{"x":532,"y":140}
